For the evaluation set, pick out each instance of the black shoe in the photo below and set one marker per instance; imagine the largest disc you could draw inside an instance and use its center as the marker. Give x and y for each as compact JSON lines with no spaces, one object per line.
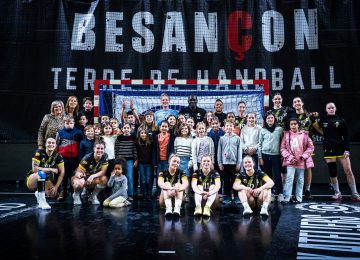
{"x":284,"y":202}
{"x":307,"y":195}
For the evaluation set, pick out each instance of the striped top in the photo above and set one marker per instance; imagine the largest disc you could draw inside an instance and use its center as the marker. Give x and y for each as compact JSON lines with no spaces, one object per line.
{"x":125,"y":147}
{"x":182,"y":146}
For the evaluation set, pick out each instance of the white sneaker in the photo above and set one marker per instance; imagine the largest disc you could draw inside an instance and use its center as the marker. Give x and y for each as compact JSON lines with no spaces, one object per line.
{"x":280,"y":198}
{"x":247,"y":211}
{"x":76,"y":197}
{"x":336,"y":196}
{"x":168,"y":211}
{"x":37,"y":197}
{"x":177,"y":211}
{"x":264,"y":211}
{"x":42,"y":203}
{"x":94,"y":200}
{"x":127,"y":203}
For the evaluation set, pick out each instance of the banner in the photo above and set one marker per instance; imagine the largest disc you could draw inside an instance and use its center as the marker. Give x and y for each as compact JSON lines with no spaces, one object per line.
{"x":53,"y":49}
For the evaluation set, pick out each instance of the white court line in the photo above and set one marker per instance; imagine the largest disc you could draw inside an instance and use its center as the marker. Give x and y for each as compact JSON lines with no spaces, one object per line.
{"x":166,"y":251}
{"x":16,"y":193}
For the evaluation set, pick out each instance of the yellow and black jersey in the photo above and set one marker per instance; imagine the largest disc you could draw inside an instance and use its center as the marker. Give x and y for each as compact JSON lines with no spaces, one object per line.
{"x":206,"y":180}
{"x":177,"y":177}
{"x":90,"y":166}
{"x":42,"y":159}
{"x":254,"y":181}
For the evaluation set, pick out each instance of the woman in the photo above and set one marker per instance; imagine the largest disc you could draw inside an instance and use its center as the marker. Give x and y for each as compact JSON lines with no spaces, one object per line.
{"x":72,"y":107}
{"x":172,"y":183}
{"x":296,"y":149}
{"x":306,"y":123}
{"x":254,"y":188}
{"x":337,"y":147}
{"x":269,"y":151}
{"x":51,"y":123}
{"x":206,"y":185}
{"x":281,"y":113}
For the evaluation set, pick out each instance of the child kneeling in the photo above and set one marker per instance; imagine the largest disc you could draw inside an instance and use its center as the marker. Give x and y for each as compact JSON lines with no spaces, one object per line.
{"x":118,"y":183}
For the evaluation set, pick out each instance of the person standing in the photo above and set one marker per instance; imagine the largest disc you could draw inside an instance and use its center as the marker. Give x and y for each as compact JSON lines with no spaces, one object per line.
{"x":192,"y":110}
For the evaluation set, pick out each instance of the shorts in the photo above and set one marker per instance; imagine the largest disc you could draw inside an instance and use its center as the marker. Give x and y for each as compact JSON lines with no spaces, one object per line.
{"x":334,"y":152}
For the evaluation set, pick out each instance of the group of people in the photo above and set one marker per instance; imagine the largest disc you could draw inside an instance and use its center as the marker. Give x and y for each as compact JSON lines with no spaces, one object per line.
{"x":223,"y":157}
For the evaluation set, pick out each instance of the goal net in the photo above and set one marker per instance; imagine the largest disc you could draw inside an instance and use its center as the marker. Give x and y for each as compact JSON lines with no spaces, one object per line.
{"x":110,"y":94}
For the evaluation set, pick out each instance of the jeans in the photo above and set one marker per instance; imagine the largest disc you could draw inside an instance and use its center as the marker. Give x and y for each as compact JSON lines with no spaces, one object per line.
{"x":272,"y":167}
{"x":298,"y":174}
{"x":145,"y":178}
{"x":184,"y":162}
{"x":130,"y":177}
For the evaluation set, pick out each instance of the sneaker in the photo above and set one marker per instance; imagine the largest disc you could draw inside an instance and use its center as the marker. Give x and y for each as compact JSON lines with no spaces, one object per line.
{"x":307,"y":195}
{"x":285,"y":202}
{"x":198,"y":211}
{"x":295,"y":201}
{"x":76,"y":197}
{"x":355,"y":197}
{"x":94,"y":200}
{"x":85,"y":194}
{"x":226,"y":200}
{"x":176,"y":211}
{"x":62,"y":196}
{"x":247,"y":211}
{"x":37,"y":197}
{"x":336,"y":196}
{"x":264,"y":211}
{"x":42,"y":203}
{"x":168,"y":211}
{"x":207,"y":211}
{"x":280,"y":198}
{"x":127,"y":203}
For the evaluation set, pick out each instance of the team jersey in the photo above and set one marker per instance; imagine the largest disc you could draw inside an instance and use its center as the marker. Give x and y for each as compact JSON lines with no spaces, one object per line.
{"x":335,"y":132}
{"x":255,"y":181}
{"x":90,"y":166}
{"x":173,"y":179}
{"x":240,"y":122}
{"x":42,"y":159}
{"x":206,"y":180}
{"x":306,"y":121}
{"x":282,"y":115}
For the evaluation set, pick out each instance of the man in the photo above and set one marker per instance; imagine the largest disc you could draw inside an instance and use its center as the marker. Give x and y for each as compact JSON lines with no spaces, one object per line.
{"x":47,"y":173}
{"x":163,"y":113}
{"x":192,"y":110}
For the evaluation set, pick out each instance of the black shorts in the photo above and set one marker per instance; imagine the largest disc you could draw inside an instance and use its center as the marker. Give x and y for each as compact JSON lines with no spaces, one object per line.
{"x":334,"y":152}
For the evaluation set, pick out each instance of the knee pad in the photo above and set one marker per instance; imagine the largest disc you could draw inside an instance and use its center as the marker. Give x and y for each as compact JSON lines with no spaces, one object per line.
{"x":332,"y":169}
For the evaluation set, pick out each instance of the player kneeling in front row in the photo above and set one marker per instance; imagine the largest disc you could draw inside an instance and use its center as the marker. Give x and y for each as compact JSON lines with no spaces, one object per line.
{"x":47,"y":165}
{"x":254,"y":188}
{"x":173,"y":182}
{"x":90,"y":174}
{"x":118,"y":183}
{"x":205,"y":184}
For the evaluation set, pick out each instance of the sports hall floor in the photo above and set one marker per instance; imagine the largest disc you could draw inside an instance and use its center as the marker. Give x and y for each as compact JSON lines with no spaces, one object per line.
{"x":316,"y":229}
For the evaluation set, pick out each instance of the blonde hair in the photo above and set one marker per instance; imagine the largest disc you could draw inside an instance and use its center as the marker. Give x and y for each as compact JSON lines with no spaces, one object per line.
{"x":67,"y":106}
{"x":56,"y":103}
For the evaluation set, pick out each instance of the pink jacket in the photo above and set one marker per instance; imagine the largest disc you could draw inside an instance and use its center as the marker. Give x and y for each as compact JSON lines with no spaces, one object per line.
{"x":296,"y":145}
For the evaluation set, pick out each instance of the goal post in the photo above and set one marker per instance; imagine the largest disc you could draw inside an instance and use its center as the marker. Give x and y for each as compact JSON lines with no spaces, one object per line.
{"x":108,"y":95}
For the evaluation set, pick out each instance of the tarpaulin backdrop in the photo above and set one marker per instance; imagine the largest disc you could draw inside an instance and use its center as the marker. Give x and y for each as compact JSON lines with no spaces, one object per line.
{"x":52,"y":49}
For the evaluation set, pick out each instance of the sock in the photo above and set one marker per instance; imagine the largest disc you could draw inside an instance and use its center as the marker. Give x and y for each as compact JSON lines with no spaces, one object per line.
{"x":178,"y":203}
{"x":265,"y":205}
{"x":168,"y":203}
{"x":307,"y":187}
{"x":245,"y":204}
{"x":336,"y":187}
{"x":353,"y":188}
{"x":41,"y":185}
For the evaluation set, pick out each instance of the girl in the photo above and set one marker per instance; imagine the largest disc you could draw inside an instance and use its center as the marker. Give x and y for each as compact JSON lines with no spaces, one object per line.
{"x":150,"y":124}
{"x":163,"y":147}
{"x":240,"y":120}
{"x":118,"y":183}
{"x":109,"y":140}
{"x":115,"y":126}
{"x":125,"y":147}
{"x":201,"y":145}
{"x":181,"y":119}
{"x":269,"y":151}
{"x":206,"y":185}
{"x":182,"y":147}
{"x":172,"y":182}
{"x":191,"y":123}
{"x":336,"y":146}
{"x":172,"y":123}
{"x":296,"y":149}
{"x":230,"y":116}
{"x":97,"y":131}
{"x":144,"y":151}
{"x":207,"y":120}
{"x":82,"y":122}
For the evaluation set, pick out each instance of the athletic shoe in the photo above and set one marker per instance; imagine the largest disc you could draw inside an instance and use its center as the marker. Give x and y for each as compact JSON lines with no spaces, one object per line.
{"x":295,"y":201}
{"x":176,"y":211}
{"x":207,"y":211}
{"x":284,"y":202}
{"x":280,"y":198}
{"x":37,"y":197}
{"x":198,"y":211}
{"x":94,"y":200}
{"x":355,"y":197}
{"x":226,"y":200}
{"x":120,"y":205}
{"x":76,"y":197}
{"x":264,"y":211}
{"x":168,"y":212}
{"x":336,"y":196}
{"x":307,"y":195}
{"x":127,"y":203}
{"x":85,"y":194}
{"x":42,"y":204}
{"x":247,"y":211}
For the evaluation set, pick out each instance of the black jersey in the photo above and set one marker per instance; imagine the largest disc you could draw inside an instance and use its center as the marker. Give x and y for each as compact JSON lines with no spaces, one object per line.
{"x":254,"y":181}
{"x":46,"y":161}
{"x":198,"y":114}
{"x":205,"y":180}
{"x":173,"y":179}
{"x":335,"y":132}
{"x":240,"y":122}
{"x":90,"y":166}
{"x":282,"y":115}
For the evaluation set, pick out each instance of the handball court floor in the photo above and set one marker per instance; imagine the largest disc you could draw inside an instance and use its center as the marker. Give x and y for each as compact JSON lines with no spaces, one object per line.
{"x":316,"y":229}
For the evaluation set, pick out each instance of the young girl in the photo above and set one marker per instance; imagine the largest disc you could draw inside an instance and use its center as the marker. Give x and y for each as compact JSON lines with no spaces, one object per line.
{"x":109,"y":140}
{"x":172,"y":123}
{"x":126,"y":148}
{"x":81,"y":122}
{"x":118,"y":183}
{"x":163,"y":147}
{"x":149,"y":124}
{"x":182,"y":147}
{"x":207,"y":120}
{"x":144,"y":151}
{"x":181,"y":119}
{"x":230,"y":116}
{"x":191,"y":123}
{"x":97,"y":131}
{"x":201,"y":145}
{"x":296,"y":148}
{"x":115,"y":126}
